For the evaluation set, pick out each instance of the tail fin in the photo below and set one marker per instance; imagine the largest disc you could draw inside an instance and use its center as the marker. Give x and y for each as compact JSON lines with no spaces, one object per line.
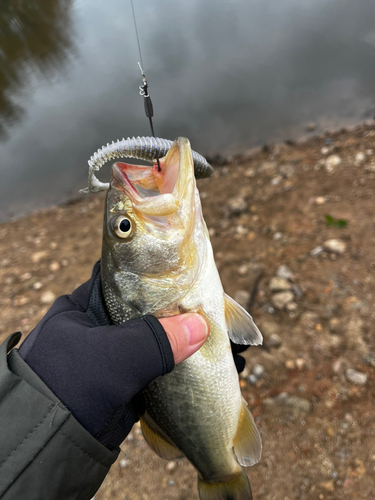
{"x":237,"y":488}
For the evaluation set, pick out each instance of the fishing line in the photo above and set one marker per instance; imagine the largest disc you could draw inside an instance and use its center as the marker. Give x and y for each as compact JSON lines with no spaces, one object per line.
{"x":136,"y":32}
{"x":143,"y":89}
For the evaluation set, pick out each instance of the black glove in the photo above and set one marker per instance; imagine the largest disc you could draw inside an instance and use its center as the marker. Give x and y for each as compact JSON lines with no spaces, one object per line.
{"x":93,"y":367}
{"x":239,"y":361}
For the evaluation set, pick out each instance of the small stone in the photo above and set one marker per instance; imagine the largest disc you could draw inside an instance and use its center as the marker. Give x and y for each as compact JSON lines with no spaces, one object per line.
{"x":284,"y":272}
{"x":334,"y":246}
{"x":276,"y":180}
{"x":287,"y":170}
{"x":299,"y":406}
{"x":336,"y":326}
{"x":360,"y":469}
{"x":281,"y":299}
{"x":25,"y":276}
{"x":211,"y":232}
{"x":332,"y":162}
{"x":370,"y":361}
{"x":54,"y":266}
{"x":279,"y":284}
{"x":267,"y":167}
{"x":171,"y":466}
{"x":301,"y":363}
{"x":360,"y":157}
{"x":20,"y":301}
{"x":339,"y":366}
{"x":124,"y":462}
{"x":297,"y":290}
{"x":320,"y":200}
{"x":325,"y":150}
{"x":64,"y":262}
{"x":355,"y":377}
{"x":244,"y":269}
{"x":330,"y":432}
{"x":277,"y":236}
{"x":316,"y":251}
{"x":328,"y":485}
{"x":252,"y":379}
{"x":47,"y":297}
{"x":273,"y":341}
{"x":290,"y":364}
{"x":171,"y":482}
{"x":250,"y":172}
{"x":53,"y":245}
{"x":236,"y":206}
{"x":251,"y":236}
{"x":270,"y":331}
{"x":38,"y":256}
{"x":37,"y":285}
{"x":241,"y":230}
{"x":291,"y":307}
{"x":258,"y":371}
{"x":242,"y":297}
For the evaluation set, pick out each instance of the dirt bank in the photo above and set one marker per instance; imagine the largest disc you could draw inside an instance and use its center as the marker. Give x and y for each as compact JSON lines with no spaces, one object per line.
{"x":265,"y":209}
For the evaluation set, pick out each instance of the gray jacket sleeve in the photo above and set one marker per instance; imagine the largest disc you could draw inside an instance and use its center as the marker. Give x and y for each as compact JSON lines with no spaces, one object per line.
{"x":45,"y":454}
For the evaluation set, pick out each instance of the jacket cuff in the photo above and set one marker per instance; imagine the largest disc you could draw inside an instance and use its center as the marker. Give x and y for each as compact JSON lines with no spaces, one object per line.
{"x":44,"y":445}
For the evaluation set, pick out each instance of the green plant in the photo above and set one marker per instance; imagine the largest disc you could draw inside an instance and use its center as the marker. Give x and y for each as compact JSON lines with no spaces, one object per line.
{"x":331,"y":221}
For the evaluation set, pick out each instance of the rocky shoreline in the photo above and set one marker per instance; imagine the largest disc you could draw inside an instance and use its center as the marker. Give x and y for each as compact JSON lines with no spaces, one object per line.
{"x":298,"y":220}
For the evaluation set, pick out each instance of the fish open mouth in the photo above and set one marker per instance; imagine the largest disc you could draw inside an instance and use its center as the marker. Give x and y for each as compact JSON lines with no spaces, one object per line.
{"x":155,"y":192}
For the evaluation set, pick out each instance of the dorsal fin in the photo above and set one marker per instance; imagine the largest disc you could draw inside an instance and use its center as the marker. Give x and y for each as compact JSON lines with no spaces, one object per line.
{"x":241,"y":327}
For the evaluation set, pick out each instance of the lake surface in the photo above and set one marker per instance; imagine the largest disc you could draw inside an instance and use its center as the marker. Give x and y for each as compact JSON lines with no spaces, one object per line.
{"x":226,"y":74}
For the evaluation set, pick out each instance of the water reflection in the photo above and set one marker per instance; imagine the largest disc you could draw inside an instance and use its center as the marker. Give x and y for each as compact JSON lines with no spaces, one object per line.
{"x":34,"y":36}
{"x":228,"y":74}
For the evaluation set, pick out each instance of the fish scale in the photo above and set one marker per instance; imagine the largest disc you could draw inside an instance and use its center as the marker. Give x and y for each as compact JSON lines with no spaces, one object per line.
{"x":213,"y":426}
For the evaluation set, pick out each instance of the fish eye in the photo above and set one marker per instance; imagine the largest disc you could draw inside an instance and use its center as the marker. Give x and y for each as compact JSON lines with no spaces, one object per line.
{"x":123,"y":227}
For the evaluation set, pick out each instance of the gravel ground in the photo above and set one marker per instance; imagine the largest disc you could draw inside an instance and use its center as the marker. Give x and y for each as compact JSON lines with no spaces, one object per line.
{"x":296,"y":219}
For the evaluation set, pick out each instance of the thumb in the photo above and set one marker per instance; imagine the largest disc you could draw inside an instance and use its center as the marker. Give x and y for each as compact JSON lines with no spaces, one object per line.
{"x":186,"y":334}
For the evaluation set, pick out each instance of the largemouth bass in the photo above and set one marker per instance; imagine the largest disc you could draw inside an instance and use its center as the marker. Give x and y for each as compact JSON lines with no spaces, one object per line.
{"x":157,"y":259}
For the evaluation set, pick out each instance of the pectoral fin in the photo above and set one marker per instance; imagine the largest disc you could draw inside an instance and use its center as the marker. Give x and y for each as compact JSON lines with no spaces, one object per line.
{"x":247,"y":443}
{"x":157,"y":440}
{"x":241,"y":327}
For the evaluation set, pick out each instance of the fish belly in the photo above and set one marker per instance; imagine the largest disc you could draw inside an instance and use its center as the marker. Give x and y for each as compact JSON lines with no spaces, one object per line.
{"x":198,"y":406}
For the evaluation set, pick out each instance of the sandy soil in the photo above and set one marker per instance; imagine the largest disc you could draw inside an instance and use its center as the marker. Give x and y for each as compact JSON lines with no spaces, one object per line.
{"x":319,"y":435}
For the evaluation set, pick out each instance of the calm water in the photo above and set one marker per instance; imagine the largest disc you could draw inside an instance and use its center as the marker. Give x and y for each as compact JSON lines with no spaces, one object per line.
{"x":227,"y":74}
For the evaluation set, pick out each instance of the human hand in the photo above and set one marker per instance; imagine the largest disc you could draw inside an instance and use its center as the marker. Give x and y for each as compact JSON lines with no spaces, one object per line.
{"x":95,"y":368}
{"x":186,"y":334}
